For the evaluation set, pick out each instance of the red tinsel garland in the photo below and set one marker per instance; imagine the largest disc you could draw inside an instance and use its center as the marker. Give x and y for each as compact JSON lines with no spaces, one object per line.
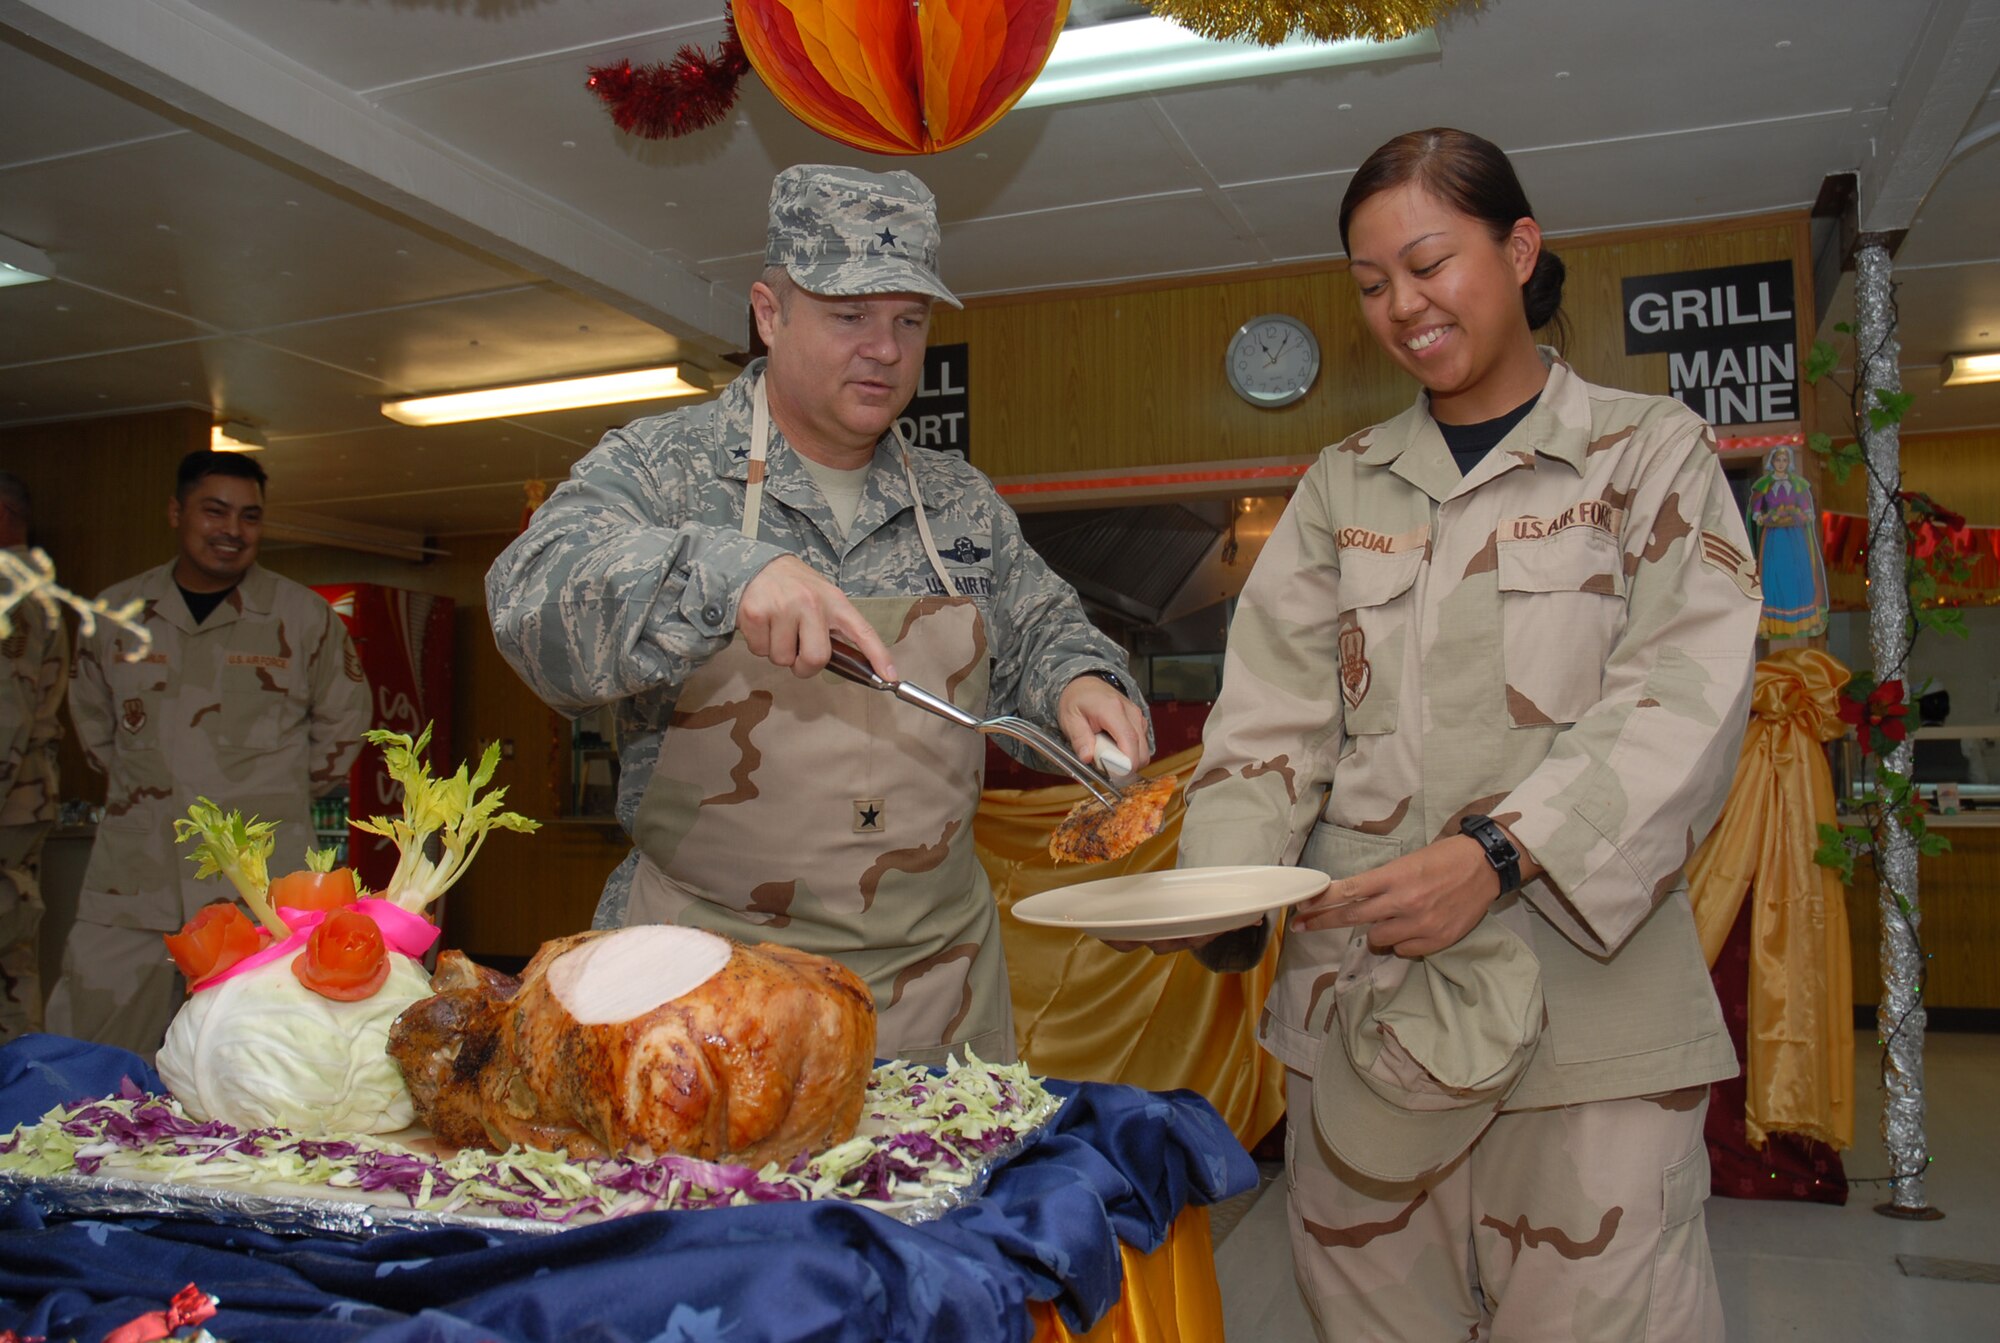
{"x":668,"y":98}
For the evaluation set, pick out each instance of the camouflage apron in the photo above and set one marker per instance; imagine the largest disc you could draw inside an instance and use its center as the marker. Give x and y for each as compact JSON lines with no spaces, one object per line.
{"x":835,"y":819}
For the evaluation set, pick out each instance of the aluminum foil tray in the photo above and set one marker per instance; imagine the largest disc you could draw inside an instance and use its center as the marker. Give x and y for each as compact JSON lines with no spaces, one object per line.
{"x":313,"y":1210}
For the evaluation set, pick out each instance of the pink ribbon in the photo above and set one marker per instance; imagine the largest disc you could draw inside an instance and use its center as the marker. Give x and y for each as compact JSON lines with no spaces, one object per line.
{"x":403,"y":932}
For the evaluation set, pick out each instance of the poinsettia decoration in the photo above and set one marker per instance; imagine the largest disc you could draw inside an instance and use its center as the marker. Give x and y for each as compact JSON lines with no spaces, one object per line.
{"x":1879,"y":714}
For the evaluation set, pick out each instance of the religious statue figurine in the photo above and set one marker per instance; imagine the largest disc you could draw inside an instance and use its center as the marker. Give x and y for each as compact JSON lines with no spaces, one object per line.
{"x":1784,"y":530}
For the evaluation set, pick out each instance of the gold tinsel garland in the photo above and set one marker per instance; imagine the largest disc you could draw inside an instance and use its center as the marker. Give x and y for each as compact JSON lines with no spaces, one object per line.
{"x":1270,"y":22}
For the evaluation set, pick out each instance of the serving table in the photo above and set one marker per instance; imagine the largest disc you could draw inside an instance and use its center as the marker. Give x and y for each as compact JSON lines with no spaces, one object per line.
{"x":1098,"y":1230}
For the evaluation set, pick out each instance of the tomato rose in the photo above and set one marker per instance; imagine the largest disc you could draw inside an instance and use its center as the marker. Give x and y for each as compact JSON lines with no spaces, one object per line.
{"x":313,"y":891}
{"x":344,"y":958}
{"x":212,"y":941}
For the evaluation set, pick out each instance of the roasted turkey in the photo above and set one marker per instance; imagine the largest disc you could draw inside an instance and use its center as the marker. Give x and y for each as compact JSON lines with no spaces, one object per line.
{"x":643,"y":1041}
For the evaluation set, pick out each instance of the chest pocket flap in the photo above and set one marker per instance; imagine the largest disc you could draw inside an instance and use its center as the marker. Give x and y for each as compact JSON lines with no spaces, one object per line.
{"x":1377,"y":614}
{"x":1562,"y":607}
{"x":1576,"y":559}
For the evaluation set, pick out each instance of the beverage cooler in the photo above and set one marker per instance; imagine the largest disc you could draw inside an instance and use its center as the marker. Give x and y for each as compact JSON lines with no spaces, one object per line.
{"x":404,"y":639}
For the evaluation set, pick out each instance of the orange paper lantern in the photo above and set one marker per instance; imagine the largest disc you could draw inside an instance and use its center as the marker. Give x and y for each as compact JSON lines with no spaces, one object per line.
{"x":897,"y":77}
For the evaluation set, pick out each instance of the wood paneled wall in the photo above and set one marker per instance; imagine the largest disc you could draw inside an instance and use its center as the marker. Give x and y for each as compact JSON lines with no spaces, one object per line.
{"x":1960,"y":470}
{"x":1131,"y":377}
{"x":100,"y":490}
{"x":1958,"y":923}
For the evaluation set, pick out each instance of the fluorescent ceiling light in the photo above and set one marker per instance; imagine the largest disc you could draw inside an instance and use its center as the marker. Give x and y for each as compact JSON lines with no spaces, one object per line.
{"x":1961,"y":370}
{"x":1111,"y":60}
{"x":604,"y":389}
{"x":22,"y":264}
{"x":235,"y":436}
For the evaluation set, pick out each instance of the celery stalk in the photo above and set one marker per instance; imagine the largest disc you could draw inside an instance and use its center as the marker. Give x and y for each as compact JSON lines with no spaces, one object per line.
{"x":238,"y":849}
{"x":449,"y":809}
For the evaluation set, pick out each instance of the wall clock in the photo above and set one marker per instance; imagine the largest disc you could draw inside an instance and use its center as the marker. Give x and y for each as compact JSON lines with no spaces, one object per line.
{"x":1272,"y":360}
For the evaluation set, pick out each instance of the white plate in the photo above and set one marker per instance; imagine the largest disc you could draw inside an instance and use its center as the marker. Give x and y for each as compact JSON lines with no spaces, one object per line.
{"x":1190,"y":902}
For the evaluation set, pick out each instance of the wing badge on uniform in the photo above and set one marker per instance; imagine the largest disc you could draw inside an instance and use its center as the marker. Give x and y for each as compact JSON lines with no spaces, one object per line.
{"x":1355,"y":673}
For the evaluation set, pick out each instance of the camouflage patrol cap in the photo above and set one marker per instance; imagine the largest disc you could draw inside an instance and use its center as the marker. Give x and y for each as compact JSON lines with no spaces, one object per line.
{"x":1425,"y":1051}
{"x":842,"y":231}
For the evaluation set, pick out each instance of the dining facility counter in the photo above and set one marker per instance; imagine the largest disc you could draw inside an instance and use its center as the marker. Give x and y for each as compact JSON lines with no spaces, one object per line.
{"x":1098,"y":1230}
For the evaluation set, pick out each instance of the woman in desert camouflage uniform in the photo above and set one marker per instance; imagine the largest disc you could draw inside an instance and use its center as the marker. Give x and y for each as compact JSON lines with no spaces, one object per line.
{"x":1490,"y":674}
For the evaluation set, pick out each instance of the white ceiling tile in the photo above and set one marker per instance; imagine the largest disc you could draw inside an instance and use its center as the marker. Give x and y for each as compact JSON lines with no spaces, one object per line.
{"x":1121,"y":240}
{"x":1698,"y":175}
{"x":718,"y":180}
{"x":366,"y":44}
{"x":48,"y":110}
{"x":57,"y":319}
{"x":1630,"y":70}
{"x":526,"y":334}
{"x":167,"y":375}
{"x":1297,"y":217}
{"x":193,"y":226}
{"x":1960,"y":219}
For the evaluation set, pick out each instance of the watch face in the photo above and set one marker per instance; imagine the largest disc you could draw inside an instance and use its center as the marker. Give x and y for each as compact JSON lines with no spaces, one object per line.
{"x":1272,"y":360}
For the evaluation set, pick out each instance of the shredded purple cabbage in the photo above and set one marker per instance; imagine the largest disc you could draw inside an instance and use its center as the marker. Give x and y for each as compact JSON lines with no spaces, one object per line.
{"x":991,"y":1140}
{"x":879,"y":1174}
{"x":404,"y":1174}
{"x":924,"y":1147}
{"x":705,"y":1184}
{"x":332,"y":1149}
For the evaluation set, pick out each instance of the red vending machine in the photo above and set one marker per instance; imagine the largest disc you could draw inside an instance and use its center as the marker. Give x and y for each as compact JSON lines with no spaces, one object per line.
{"x":404,"y":639}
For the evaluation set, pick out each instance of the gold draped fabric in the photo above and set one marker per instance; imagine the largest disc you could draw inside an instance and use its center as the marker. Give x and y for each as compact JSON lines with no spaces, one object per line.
{"x":1799,"y":1065}
{"x":1170,"y":1295}
{"x":1086,"y":1012}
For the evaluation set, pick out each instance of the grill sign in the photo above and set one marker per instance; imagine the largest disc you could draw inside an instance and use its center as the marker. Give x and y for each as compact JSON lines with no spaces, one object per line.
{"x":939,"y":415}
{"x":1730,"y":337}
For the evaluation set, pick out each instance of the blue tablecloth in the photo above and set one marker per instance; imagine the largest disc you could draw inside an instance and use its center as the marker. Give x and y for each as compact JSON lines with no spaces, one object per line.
{"x":1116,"y":1164}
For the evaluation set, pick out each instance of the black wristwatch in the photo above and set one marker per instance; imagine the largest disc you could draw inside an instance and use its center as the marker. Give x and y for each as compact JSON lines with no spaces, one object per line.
{"x":1500,"y":850}
{"x":1109,"y":678}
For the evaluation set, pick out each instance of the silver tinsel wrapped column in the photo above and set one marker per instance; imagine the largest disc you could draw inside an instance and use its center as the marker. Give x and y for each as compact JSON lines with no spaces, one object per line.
{"x":1900,"y":1017}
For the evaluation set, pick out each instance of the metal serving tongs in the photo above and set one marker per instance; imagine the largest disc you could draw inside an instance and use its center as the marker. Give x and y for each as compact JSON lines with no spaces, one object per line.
{"x":847,"y":662}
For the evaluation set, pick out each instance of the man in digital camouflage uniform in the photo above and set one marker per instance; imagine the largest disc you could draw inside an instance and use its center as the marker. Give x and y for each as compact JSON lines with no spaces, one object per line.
{"x":1562,"y":641}
{"x":34,"y":659}
{"x":694,"y":567}
{"x":251,"y":695}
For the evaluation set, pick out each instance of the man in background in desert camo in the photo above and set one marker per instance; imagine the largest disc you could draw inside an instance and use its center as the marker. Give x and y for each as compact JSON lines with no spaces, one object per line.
{"x":251,"y":695}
